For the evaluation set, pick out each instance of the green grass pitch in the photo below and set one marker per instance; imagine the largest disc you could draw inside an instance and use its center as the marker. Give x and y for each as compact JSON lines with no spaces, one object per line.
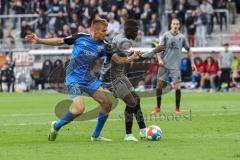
{"x":211,"y":132}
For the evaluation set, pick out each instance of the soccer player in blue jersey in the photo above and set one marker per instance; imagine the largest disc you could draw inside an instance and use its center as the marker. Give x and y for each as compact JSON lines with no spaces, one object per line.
{"x":87,"y":49}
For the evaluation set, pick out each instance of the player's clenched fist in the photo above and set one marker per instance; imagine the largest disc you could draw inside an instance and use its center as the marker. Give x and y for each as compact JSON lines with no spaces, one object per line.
{"x":32,"y":38}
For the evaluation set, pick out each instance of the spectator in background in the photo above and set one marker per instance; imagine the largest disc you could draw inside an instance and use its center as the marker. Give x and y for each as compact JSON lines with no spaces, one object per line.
{"x":58,"y":70}
{"x":197,"y":74}
{"x":46,"y":70}
{"x":207,"y":8}
{"x":34,"y":6}
{"x":113,"y":26}
{"x":168,"y":5}
{"x":66,"y":31}
{"x":182,"y":6}
{"x":7,"y":76}
{"x":83,"y":29}
{"x":161,"y":8}
{"x":215,"y":6}
{"x":106,"y":6}
{"x":193,"y":4}
{"x":235,"y":70}
{"x":223,"y":17}
{"x":79,"y":7}
{"x":136,"y":10}
{"x":25,"y":29}
{"x":231,"y":6}
{"x":18,"y":8}
{"x":191,"y":28}
{"x":225,"y":62}
{"x":146,"y":16}
{"x":60,"y":22}
{"x":129,"y":6}
{"x":154,"y":26}
{"x":2,"y":10}
{"x":65,"y":7}
{"x":9,"y":39}
{"x":115,"y":10}
{"x":201,"y":28}
{"x":210,"y":73}
{"x":91,"y":10}
{"x":74,"y":23}
{"x":42,"y":24}
{"x":54,"y":7}
{"x":1,"y":32}
{"x":122,"y":21}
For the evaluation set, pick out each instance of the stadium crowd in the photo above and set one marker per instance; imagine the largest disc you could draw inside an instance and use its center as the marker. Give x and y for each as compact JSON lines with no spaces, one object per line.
{"x":196,"y":16}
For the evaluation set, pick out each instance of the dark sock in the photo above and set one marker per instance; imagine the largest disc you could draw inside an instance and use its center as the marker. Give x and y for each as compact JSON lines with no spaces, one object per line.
{"x":139,"y":117}
{"x":178,"y":98}
{"x":128,"y":114}
{"x":159,"y":97}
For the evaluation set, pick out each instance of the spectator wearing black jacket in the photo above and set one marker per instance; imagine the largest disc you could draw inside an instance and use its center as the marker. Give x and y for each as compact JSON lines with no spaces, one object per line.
{"x":60,"y":22}
{"x":191,"y":28}
{"x":7,"y":76}
{"x":146,"y":16}
{"x":154,"y":26}
{"x":18,"y":8}
{"x":223,"y":17}
{"x":25,"y":29}
{"x":42,"y":24}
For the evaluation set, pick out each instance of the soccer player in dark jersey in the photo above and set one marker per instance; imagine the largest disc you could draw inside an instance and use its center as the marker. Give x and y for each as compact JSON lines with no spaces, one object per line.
{"x":114,"y":71}
{"x":169,"y":58}
{"x":87,"y":48}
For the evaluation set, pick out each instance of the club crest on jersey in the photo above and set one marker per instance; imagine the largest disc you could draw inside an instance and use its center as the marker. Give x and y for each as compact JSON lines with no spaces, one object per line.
{"x":178,"y":39}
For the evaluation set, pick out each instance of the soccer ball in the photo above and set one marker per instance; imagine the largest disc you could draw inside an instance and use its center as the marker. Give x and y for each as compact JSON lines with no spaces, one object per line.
{"x":154,"y":133}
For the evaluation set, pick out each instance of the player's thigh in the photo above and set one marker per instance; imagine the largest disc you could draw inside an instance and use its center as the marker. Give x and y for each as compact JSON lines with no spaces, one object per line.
{"x":175,"y":76}
{"x":162,"y":74}
{"x":100,"y":96}
{"x":78,"y":106}
{"x":177,"y":85}
{"x":161,"y":84}
{"x":122,"y":87}
{"x":132,"y":99}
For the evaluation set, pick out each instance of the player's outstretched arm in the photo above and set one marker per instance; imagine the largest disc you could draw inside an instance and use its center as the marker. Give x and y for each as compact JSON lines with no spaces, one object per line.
{"x":121,"y":60}
{"x":33,"y":38}
{"x":150,"y":54}
{"x":190,"y":55}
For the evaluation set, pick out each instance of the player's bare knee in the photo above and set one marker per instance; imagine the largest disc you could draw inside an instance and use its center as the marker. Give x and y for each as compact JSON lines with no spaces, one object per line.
{"x":137,"y":98}
{"x":107,"y":105}
{"x":78,"y":109}
{"x":132,"y":103}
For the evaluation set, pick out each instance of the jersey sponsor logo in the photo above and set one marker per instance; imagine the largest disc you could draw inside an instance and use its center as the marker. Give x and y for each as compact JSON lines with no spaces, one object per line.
{"x":100,"y":48}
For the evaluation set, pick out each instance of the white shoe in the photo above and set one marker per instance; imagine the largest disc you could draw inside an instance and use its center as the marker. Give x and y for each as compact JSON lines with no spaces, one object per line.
{"x":53,"y":133}
{"x":130,"y":137}
{"x":100,"y":138}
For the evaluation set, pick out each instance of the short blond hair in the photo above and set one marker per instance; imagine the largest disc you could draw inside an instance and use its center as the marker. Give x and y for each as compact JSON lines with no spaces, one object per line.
{"x":99,"y":20}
